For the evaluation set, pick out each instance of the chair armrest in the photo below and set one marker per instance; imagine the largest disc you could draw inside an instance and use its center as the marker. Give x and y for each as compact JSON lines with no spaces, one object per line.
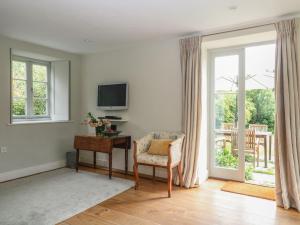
{"x":175,"y":149}
{"x":142,"y":145}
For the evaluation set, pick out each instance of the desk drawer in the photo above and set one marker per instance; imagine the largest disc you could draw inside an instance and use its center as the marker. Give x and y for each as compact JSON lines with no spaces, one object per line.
{"x":120,"y":141}
{"x":93,"y":143}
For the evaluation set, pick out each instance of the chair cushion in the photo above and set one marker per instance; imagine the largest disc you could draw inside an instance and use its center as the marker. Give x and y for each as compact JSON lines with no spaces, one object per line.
{"x":159,"y":147}
{"x":157,"y":160}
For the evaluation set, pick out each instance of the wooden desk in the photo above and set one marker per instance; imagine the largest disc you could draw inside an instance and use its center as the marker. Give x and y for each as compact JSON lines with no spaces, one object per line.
{"x":102,"y":144}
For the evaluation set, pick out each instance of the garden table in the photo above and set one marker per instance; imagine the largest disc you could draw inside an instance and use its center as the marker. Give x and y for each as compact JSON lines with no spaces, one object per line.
{"x":267,"y":136}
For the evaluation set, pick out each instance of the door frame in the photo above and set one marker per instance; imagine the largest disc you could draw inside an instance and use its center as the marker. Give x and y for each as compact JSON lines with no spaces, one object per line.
{"x":227,"y":173}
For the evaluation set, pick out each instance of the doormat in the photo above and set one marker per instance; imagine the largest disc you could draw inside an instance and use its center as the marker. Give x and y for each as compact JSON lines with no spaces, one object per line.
{"x":250,"y":190}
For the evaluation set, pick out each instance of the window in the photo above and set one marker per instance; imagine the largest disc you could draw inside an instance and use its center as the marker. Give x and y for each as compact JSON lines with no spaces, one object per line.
{"x":30,"y":89}
{"x":40,"y":88}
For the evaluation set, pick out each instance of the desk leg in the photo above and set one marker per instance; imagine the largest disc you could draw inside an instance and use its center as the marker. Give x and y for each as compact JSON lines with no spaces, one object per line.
{"x":95,"y":160}
{"x":266,"y":152}
{"x":77,"y":159}
{"x":126,"y":161}
{"x":110,"y":164}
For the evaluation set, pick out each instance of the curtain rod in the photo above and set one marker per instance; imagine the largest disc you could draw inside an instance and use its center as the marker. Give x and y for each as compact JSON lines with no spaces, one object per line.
{"x":238,"y":29}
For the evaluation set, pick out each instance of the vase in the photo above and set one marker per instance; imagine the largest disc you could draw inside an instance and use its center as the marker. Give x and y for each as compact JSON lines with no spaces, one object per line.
{"x":99,"y":130}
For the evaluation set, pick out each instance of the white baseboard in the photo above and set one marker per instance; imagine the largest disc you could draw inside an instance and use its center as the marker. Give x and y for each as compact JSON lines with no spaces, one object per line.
{"x":10,"y":175}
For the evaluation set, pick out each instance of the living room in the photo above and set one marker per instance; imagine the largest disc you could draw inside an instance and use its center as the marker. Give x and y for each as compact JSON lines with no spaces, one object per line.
{"x":203,"y":93}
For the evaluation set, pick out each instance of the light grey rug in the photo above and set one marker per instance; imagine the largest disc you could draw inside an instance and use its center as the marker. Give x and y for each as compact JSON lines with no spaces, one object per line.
{"x":49,"y":198}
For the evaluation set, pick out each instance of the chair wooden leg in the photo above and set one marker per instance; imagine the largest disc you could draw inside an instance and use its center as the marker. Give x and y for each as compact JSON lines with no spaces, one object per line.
{"x":169,"y":180}
{"x":136,"y":174}
{"x":179,"y":169}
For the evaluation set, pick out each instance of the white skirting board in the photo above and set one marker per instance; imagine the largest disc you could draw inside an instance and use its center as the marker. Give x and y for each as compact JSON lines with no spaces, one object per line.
{"x":10,"y":175}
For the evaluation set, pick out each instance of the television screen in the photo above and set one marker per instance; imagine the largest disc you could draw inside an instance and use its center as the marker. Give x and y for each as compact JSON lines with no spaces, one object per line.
{"x":112,"y":96}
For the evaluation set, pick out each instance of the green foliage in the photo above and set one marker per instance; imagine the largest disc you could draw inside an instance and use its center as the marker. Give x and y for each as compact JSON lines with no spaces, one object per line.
{"x":249,"y":110}
{"x":39,"y":73}
{"x":18,"y":107}
{"x":226,"y":110}
{"x":249,"y":172}
{"x":19,"y":89}
{"x":225,"y":158}
{"x":264,"y":107}
{"x":259,"y":108}
{"x":39,"y":106}
{"x":268,"y":171}
{"x":92,"y":117}
{"x":39,"y":89}
{"x":249,"y":158}
{"x":19,"y":70}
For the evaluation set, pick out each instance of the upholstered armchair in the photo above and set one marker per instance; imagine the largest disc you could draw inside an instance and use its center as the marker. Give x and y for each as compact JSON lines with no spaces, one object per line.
{"x":173,"y":159}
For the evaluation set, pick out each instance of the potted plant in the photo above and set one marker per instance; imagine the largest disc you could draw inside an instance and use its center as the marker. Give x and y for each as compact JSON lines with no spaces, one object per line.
{"x":99,"y":124}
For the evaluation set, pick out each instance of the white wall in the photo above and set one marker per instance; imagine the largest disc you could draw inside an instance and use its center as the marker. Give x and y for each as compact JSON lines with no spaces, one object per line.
{"x":153,"y":74}
{"x":35,"y":144}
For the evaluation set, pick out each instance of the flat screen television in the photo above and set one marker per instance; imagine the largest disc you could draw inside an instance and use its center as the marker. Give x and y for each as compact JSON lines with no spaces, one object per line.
{"x":113,"y":96}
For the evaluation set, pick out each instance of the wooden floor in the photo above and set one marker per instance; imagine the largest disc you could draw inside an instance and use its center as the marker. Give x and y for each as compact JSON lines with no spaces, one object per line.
{"x":204,"y":205}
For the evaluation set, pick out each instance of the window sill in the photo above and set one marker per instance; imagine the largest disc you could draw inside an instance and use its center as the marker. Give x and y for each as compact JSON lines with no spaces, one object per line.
{"x":38,"y":122}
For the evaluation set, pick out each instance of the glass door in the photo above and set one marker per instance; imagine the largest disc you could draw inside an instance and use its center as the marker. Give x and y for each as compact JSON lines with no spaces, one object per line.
{"x":227,"y":109}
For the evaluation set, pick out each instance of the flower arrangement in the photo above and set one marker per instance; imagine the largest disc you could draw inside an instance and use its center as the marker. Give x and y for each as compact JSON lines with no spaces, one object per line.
{"x":98,"y":123}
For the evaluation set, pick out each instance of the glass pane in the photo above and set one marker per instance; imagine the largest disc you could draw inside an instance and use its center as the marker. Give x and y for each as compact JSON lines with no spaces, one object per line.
{"x":39,"y":107}
{"x":39,"y":73}
{"x":260,"y":114}
{"x":19,"y":70}
{"x":226,"y":113}
{"x":39,"y":89}
{"x":19,"y":88}
{"x":226,"y":73}
{"x":19,"y":107}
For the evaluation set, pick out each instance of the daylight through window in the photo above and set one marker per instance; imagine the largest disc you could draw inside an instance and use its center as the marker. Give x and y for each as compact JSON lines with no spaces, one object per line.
{"x":30,"y":89}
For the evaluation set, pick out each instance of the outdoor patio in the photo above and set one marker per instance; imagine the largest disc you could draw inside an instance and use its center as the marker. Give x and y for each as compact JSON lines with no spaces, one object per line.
{"x":259,"y":154}
{"x":261,"y":175}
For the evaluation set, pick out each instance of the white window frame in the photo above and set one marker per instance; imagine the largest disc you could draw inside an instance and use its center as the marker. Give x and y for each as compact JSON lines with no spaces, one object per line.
{"x":29,"y":89}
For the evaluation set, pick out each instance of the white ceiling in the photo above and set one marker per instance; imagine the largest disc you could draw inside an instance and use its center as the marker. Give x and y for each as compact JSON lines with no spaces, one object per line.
{"x":84,"y":26}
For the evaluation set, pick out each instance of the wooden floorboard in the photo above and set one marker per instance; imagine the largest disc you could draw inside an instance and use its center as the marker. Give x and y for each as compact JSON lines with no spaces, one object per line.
{"x":206,"y":205}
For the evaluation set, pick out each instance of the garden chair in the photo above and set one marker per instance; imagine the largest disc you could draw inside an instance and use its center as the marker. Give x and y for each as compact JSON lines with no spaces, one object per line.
{"x":227,"y":126}
{"x":251,"y":145}
{"x":260,"y":128}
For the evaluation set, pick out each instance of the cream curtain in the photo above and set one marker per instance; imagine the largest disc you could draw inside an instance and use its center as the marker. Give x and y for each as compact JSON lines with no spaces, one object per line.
{"x":190,"y":56}
{"x":287,"y":131}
